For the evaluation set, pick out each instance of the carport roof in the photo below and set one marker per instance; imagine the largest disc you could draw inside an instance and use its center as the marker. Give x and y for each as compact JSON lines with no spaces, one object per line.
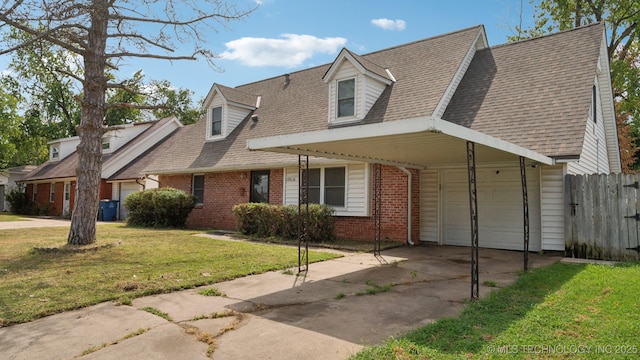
{"x":415,"y":143}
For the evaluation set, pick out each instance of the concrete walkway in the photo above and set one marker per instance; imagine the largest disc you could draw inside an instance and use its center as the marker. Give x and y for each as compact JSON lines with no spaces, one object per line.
{"x":275,"y":315}
{"x":33,"y":222}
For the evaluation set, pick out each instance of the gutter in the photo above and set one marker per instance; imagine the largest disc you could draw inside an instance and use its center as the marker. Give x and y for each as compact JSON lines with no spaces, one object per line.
{"x":409,"y":181}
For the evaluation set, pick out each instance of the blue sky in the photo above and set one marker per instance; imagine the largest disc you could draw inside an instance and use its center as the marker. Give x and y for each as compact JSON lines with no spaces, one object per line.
{"x":283,"y":36}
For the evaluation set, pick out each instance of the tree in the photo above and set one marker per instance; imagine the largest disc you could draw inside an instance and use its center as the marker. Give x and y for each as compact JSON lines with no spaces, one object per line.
{"x":10,"y":124}
{"x":100,"y":32}
{"x":621,"y":18}
{"x":176,"y":102}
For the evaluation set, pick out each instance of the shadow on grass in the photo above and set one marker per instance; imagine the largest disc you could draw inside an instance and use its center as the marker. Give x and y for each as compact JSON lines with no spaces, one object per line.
{"x":483,"y":320}
{"x":338,"y":244}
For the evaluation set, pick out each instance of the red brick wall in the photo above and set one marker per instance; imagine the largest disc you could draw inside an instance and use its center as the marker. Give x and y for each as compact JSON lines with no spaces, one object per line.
{"x":55,"y":208}
{"x":394,"y":210}
{"x":223,"y":190}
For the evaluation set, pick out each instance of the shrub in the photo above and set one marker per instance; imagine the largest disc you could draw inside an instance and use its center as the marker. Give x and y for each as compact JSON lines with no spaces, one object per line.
{"x":18,"y":202}
{"x":164,"y":207}
{"x":266,"y":220}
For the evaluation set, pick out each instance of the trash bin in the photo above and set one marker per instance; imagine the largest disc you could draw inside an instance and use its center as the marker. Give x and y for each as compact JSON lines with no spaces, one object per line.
{"x":108,"y":210}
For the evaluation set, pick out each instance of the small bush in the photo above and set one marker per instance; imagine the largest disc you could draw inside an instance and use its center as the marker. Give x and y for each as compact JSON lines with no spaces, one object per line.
{"x":266,"y":220}
{"x":165,"y":207}
{"x":18,"y":202}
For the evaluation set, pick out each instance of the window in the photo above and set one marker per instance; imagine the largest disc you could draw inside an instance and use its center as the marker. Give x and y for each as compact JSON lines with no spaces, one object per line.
{"x":216,"y":121}
{"x":197,"y":188}
{"x":346,"y":98}
{"x":595,"y":104}
{"x":260,"y":186}
{"x":106,"y":143}
{"x":327,"y":186}
{"x":35,"y":193}
{"x":55,"y":152}
{"x":52,"y":192}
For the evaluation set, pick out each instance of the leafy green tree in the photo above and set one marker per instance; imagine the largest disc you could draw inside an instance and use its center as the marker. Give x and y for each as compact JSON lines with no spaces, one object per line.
{"x":621,"y":18}
{"x":178,"y":102}
{"x":10,"y":124}
{"x":98,"y":33}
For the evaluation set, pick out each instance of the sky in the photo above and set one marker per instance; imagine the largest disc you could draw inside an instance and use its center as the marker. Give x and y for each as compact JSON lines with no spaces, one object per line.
{"x":284,"y":36}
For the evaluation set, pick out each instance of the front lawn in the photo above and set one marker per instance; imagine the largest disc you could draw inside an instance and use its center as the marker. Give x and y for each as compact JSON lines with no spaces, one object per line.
{"x":127,"y":263}
{"x":5,"y":216}
{"x":588,"y":311}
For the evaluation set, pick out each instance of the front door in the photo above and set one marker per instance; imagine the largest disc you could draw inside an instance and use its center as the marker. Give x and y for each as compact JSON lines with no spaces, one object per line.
{"x":66,"y":198}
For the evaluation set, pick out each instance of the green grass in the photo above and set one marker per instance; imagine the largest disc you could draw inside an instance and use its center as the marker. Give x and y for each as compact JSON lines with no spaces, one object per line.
{"x":4,"y":216}
{"x":552,"y":312}
{"x":338,"y":244}
{"x":157,"y":312}
{"x":212,"y":292}
{"x":140,"y":262}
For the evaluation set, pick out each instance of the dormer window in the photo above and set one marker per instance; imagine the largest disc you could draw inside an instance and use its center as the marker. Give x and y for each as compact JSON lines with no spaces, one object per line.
{"x":106,"y":143}
{"x":216,"y":121}
{"x":55,"y":152}
{"x":346,"y":98}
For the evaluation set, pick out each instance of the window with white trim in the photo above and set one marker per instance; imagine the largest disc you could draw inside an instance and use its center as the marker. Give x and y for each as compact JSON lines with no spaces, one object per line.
{"x":216,"y":121}
{"x":106,"y":143}
{"x":55,"y":152}
{"x":52,"y":192}
{"x":346,"y":98}
{"x":197,"y":188}
{"x":327,"y":186}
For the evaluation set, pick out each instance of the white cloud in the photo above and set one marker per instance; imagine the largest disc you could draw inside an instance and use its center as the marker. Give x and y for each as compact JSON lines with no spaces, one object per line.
{"x":290,"y":50}
{"x":387,"y":24}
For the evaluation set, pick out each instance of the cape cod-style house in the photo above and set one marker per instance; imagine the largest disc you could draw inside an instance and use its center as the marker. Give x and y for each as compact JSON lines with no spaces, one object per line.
{"x":408,"y":118}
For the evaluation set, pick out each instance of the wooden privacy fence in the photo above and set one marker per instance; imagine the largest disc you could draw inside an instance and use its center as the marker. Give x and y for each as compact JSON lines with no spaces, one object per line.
{"x":602,"y":216}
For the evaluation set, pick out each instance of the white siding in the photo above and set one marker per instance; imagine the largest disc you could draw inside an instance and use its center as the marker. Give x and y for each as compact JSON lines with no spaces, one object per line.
{"x":235,"y":115}
{"x":372,"y":90}
{"x":594,"y":158}
{"x":500,"y":214}
{"x":118,"y":138}
{"x":429,"y":206}
{"x":552,"y":207}
{"x":357,"y":189}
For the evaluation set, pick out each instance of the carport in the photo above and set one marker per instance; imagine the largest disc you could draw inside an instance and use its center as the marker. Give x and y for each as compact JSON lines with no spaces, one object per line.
{"x":418,"y":143}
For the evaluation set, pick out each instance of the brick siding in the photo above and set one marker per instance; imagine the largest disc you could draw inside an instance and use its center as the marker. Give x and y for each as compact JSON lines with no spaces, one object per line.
{"x":223,"y":190}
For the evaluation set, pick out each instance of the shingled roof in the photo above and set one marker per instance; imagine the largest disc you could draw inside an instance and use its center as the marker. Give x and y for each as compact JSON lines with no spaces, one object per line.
{"x":534,"y":93}
{"x":66,"y":168}
{"x":300,"y":104}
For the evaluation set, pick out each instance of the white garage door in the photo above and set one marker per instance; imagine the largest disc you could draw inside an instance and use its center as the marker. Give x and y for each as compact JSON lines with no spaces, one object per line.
{"x":126,"y":189}
{"x":500,"y":218}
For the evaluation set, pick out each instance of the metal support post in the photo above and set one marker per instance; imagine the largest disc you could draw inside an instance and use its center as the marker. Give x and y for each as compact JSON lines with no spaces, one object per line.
{"x":303,"y":213}
{"x":473,"y":210}
{"x":377,"y":207}
{"x":525,"y":207}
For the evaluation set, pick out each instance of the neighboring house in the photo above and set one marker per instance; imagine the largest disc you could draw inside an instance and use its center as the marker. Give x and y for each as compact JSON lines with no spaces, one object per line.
{"x":51,"y":186}
{"x":8,"y":179}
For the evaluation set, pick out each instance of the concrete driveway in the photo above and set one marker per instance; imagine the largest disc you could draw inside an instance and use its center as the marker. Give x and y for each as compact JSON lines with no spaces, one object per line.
{"x":323,"y":315}
{"x":33,"y":222}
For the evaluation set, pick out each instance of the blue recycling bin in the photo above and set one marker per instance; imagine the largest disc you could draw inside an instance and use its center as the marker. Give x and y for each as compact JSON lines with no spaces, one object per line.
{"x":108,"y":210}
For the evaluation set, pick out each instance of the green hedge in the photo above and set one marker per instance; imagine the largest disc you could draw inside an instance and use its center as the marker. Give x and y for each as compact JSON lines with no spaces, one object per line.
{"x":164,"y":207}
{"x":266,"y":220}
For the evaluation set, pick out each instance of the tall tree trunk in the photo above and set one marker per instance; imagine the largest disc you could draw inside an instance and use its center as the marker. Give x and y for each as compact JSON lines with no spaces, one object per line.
{"x":88,"y":173}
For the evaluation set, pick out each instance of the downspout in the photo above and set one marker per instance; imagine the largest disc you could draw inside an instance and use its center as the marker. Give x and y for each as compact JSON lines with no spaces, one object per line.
{"x":409,"y":181}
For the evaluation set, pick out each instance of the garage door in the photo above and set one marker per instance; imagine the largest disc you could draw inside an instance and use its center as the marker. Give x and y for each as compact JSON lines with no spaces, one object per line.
{"x":500,"y":220}
{"x":125,"y":190}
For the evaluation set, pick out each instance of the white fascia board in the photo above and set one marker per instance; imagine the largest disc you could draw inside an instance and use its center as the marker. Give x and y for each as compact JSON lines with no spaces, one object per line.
{"x":124,"y":158}
{"x":457,"y":77}
{"x":604,"y":82}
{"x":423,"y":124}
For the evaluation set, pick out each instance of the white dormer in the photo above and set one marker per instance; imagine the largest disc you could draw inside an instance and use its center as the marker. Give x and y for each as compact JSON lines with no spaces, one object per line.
{"x":354,"y":86}
{"x":226,"y":108}
{"x":61,"y":148}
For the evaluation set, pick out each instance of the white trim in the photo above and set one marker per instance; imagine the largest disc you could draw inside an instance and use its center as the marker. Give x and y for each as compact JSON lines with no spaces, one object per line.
{"x":457,"y":77}
{"x":345,"y":55}
{"x":123,"y":158}
{"x":289,"y":143}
